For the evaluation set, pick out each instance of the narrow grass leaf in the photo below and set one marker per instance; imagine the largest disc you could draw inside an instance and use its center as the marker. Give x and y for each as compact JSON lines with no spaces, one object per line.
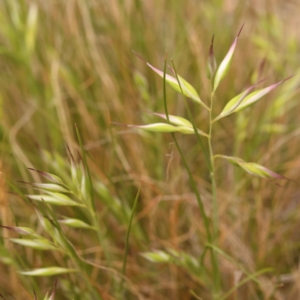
{"x":39,"y":244}
{"x":51,"y":187}
{"x":46,"y":224}
{"x":47,"y":271}
{"x":252,"y":168}
{"x":225,"y":64}
{"x":183,"y":88}
{"x":128,"y":235}
{"x":59,"y":237}
{"x":75,"y":223}
{"x":55,"y":199}
{"x":90,"y":181}
{"x":50,"y":224}
{"x":20,"y":230}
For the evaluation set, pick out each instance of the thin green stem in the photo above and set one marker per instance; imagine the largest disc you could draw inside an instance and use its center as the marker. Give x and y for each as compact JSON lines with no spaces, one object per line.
{"x":210,"y":163}
{"x":212,"y":175}
{"x":191,"y":179}
{"x":127,"y":236}
{"x":195,"y":190}
{"x":214,"y":198}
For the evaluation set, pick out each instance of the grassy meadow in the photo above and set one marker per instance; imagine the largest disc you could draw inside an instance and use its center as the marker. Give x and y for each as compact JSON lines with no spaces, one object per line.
{"x":91,"y":208}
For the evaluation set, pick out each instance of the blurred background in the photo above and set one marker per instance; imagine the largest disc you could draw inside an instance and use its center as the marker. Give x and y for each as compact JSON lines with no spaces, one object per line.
{"x":67,"y":62}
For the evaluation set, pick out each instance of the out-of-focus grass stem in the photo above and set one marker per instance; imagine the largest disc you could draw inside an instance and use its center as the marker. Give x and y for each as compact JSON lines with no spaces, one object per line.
{"x":127,"y":237}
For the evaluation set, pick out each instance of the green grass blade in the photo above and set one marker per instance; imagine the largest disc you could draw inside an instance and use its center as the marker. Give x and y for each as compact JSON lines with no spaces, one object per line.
{"x":128,"y":235}
{"x":91,"y":188}
{"x":245,"y":280}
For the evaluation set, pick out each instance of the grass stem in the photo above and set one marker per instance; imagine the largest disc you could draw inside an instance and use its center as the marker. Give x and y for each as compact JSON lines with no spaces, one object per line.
{"x":209,"y":162}
{"x":127,"y":237}
{"x":216,"y":273}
